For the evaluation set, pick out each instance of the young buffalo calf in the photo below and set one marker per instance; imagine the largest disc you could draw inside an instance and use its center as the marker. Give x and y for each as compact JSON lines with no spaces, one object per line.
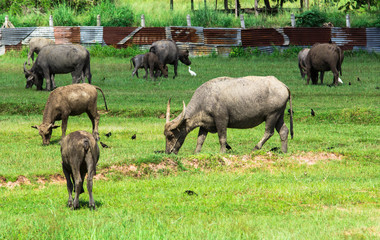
{"x":151,"y":61}
{"x":80,"y":154}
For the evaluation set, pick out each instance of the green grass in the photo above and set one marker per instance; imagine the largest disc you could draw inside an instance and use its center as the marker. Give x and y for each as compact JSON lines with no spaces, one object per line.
{"x":326,"y":187}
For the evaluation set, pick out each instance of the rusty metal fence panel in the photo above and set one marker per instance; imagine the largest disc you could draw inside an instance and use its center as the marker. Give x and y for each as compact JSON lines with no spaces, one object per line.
{"x":373,"y":39}
{"x":67,"y":35}
{"x":198,"y":40}
{"x":91,"y":35}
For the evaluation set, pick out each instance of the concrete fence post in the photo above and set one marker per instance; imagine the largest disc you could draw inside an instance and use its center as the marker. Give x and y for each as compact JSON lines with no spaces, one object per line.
{"x":98,"y":21}
{"x":188,"y":19}
{"x":293,"y":20}
{"x":142,"y":20}
{"x":51,"y":24}
{"x":348,"y":23}
{"x":242,"y":23}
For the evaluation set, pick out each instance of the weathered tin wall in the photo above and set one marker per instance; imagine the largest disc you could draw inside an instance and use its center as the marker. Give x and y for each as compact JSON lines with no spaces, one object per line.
{"x":198,"y":40}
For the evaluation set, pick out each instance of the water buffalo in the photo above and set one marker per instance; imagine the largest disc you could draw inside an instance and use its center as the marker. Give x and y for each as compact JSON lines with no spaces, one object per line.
{"x":151,"y":61}
{"x":168,"y":53}
{"x":80,"y":154}
{"x":71,"y":100}
{"x":226,"y":102}
{"x":302,"y":61}
{"x":324,"y":57}
{"x":58,"y":59}
{"x":138,"y":62}
{"x":146,"y":61}
{"x":35,"y":46}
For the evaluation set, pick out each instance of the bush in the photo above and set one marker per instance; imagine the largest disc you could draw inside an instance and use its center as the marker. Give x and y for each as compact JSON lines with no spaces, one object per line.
{"x":109,"y":51}
{"x":63,"y":15}
{"x":111,"y":15}
{"x":312,"y":18}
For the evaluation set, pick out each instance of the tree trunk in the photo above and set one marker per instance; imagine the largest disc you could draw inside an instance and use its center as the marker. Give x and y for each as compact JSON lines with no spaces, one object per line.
{"x":171,"y":4}
{"x":256,"y":7}
{"x":267,"y":4}
{"x":216,"y":4}
{"x":226,"y":5}
{"x":301,"y":4}
{"x":281,"y":3}
{"x":192,"y":5}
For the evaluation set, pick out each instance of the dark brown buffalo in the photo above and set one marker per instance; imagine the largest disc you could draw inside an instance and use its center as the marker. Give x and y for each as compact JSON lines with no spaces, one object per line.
{"x":324,"y":57}
{"x":152,"y":63}
{"x":168,"y":52}
{"x":80,"y":154}
{"x":68,"y":101}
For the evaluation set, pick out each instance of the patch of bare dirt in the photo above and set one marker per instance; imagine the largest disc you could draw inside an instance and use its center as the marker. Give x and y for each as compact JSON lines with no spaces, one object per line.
{"x":168,"y":166}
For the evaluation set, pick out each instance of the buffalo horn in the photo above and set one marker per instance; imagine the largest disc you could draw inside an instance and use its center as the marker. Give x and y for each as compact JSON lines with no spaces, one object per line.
{"x":25,"y":69}
{"x":168,"y":111}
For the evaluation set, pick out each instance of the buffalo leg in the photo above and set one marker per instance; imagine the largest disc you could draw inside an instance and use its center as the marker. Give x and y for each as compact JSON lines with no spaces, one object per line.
{"x":221,"y":127}
{"x":269,"y":131}
{"x":90,"y":175}
{"x":152,"y":76}
{"x":78,"y":187}
{"x":336,"y":76}
{"x":283,"y":131}
{"x":146,"y":71}
{"x":201,"y":139}
{"x":175,"y":69}
{"x":94,"y":117}
{"x":321,"y":77}
{"x":69,"y":185}
{"x":47,"y":76}
{"x":64,"y":126}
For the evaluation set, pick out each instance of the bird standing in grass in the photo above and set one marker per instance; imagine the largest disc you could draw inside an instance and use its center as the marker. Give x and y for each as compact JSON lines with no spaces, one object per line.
{"x":192,"y":73}
{"x":312,"y":112}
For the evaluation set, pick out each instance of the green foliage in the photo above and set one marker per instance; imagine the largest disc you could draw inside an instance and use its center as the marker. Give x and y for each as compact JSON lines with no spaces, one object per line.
{"x":64,"y":15}
{"x":109,"y":51}
{"x":110,"y":15}
{"x":205,"y":17}
{"x":311,"y":18}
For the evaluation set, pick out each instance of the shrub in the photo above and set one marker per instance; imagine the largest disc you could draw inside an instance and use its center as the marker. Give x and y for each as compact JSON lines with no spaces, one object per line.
{"x":110,"y":15}
{"x":63,"y":15}
{"x":312,"y":18}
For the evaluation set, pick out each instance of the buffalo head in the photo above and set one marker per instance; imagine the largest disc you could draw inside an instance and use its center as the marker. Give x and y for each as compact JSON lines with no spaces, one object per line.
{"x":32,"y":79}
{"x":184,"y":57}
{"x":45,"y":131}
{"x":175,"y":131}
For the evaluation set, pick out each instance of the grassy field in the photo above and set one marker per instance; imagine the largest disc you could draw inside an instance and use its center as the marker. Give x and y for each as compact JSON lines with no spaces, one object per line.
{"x":326,"y":187}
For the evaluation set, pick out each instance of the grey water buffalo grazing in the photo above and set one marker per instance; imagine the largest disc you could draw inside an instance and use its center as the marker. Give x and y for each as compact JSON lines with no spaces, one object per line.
{"x":80,"y":154}
{"x":168,"y":52}
{"x":35,"y":46}
{"x":226,"y":102}
{"x":71,"y":100}
{"x":138,"y":62}
{"x":324,"y":57}
{"x":151,"y":61}
{"x":59,"y":59}
{"x":302,"y":61}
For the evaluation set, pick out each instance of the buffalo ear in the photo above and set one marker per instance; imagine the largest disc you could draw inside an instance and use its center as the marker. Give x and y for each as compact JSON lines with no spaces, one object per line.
{"x":35,"y":126}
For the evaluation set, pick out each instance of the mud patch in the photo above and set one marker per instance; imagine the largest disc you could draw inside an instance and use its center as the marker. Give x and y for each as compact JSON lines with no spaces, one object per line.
{"x":167,"y":166}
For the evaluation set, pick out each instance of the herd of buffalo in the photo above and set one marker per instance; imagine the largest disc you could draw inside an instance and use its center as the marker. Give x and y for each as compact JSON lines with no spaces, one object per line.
{"x":216,"y":105}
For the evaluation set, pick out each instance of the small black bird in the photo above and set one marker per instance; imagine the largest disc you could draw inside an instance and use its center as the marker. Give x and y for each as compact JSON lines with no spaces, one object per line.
{"x":275,"y":149}
{"x":349,"y":83}
{"x":312,"y":113}
{"x":358,"y":79}
{"x":108,"y":134}
{"x":134,"y":136}
{"x":228,"y":146}
{"x":377,"y":88}
{"x":190,"y":193}
{"x":104,"y":145}
{"x":289,"y":111}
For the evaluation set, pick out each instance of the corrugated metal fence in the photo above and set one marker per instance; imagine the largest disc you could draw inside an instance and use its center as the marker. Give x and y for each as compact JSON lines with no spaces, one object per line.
{"x":199,"y":40}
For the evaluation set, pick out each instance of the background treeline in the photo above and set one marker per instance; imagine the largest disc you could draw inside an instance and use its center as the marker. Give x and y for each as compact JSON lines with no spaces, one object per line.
{"x":209,"y":13}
